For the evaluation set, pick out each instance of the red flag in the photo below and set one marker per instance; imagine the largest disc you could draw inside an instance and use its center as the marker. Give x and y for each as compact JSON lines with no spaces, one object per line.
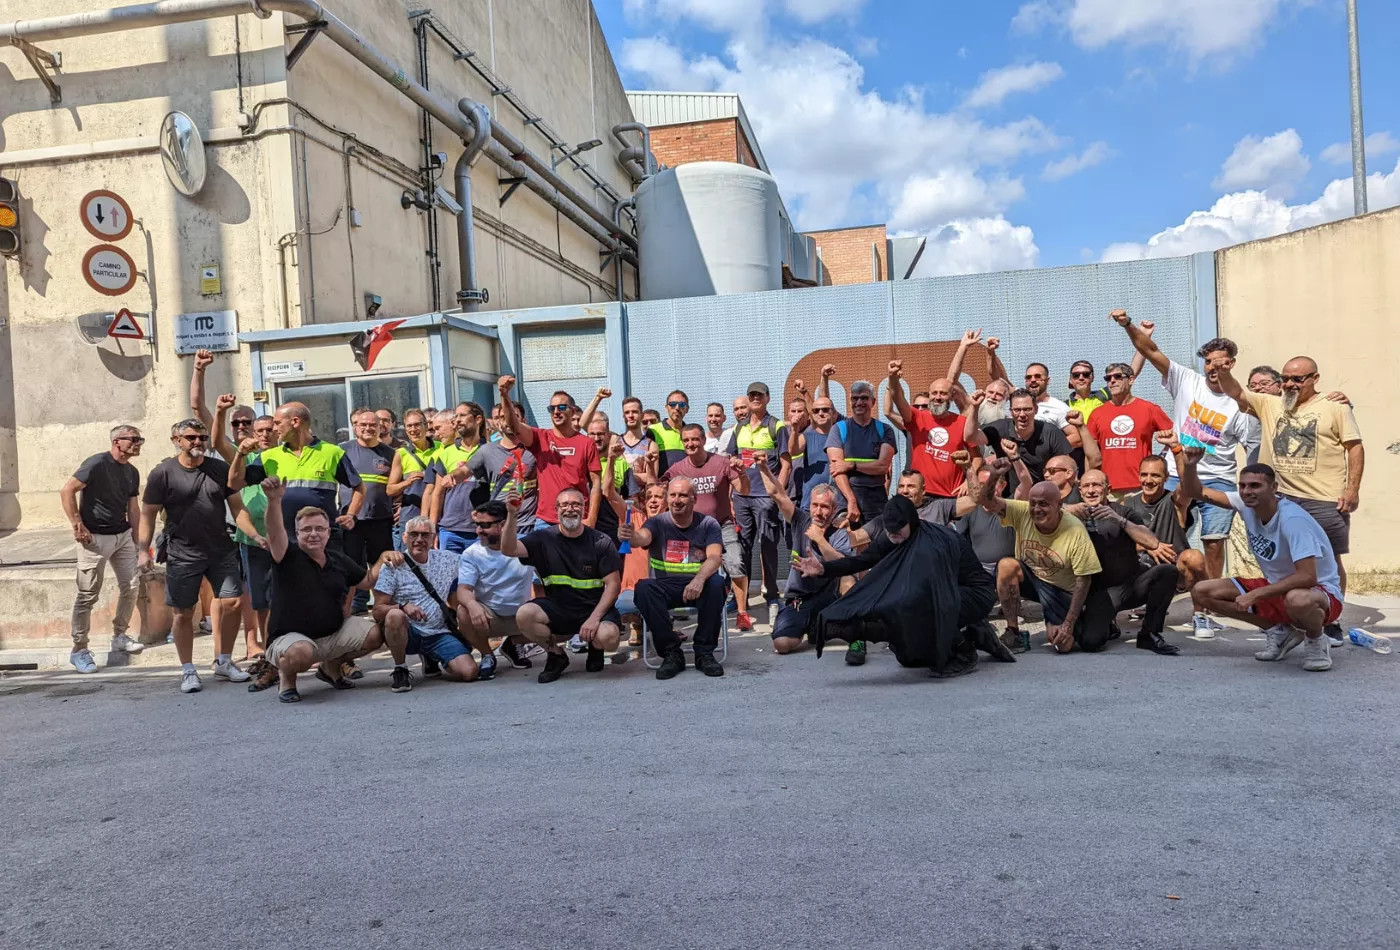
{"x":366,"y":346}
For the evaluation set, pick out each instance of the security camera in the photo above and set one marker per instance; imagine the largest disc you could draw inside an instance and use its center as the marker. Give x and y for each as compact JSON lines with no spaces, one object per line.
{"x":445,"y":199}
{"x":439,"y":159}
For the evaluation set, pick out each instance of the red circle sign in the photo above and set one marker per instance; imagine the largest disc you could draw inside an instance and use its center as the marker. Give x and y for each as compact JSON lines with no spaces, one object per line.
{"x":109,"y":270}
{"x":106,"y":215}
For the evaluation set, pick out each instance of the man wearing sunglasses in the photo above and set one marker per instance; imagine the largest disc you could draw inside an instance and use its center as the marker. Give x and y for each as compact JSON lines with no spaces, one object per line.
{"x":564,"y":456}
{"x":754,"y":510}
{"x":1047,"y":407}
{"x":811,"y":467}
{"x":635,"y":439}
{"x":193,"y":491}
{"x":1124,"y":428}
{"x":666,"y":435}
{"x":100,"y":502}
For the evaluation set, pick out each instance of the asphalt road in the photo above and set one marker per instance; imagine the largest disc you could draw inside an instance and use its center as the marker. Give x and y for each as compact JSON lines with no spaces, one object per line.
{"x":1118,"y":800}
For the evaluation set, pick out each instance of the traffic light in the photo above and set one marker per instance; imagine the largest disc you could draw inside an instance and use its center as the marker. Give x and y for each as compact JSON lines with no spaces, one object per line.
{"x":9,"y":218}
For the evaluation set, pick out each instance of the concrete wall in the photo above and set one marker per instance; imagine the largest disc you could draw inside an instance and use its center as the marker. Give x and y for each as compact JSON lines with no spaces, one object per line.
{"x":1332,"y":293}
{"x":848,"y":255}
{"x":327,"y":138}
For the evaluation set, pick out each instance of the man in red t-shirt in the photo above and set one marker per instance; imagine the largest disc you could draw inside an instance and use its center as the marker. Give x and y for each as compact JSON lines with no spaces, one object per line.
{"x":715,"y":477}
{"x":934,"y":433}
{"x":1123,"y":428}
{"x":564,"y":456}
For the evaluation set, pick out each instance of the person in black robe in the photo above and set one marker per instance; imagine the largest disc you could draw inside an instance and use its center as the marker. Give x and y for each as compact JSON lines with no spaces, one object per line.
{"x":926,"y":594}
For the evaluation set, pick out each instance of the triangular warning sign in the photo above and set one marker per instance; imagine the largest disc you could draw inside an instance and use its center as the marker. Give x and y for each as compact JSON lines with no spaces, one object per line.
{"x":125,"y":327}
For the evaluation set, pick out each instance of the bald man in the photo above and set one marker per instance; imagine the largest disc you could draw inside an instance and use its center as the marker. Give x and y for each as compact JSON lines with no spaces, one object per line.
{"x":1314,"y":446}
{"x":1055,"y":565}
{"x":685,"y":551}
{"x":934,"y":433}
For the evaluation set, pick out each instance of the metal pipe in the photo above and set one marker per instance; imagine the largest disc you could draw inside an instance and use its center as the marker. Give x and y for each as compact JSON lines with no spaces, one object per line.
{"x":639,"y":166}
{"x":505,"y":150}
{"x":1358,"y":131}
{"x":470,"y":297}
{"x":617,"y":219}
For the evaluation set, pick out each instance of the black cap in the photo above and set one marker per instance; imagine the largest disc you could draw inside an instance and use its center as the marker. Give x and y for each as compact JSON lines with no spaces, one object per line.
{"x":758,"y":388}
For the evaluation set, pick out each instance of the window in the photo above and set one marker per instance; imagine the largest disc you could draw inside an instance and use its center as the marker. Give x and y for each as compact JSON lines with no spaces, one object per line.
{"x":479,"y":391}
{"x":330,"y":400}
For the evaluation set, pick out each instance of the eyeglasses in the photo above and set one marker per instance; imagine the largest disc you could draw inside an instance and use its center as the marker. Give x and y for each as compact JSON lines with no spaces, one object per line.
{"x":1114,"y":377}
{"x":570,"y":505}
{"x":1023,"y":409}
{"x":485,"y":524}
{"x":861,"y":398}
{"x":1079,"y":374}
{"x":1300,"y":380}
{"x":417,"y":534}
{"x":678,"y":405}
{"x":560,"y":407}
{"x":821,"y":409}
{"x":195,"y":438}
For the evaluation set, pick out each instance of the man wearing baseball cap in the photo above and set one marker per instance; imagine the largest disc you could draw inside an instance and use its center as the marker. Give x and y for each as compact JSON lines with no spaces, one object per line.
{"x":755,"y":512}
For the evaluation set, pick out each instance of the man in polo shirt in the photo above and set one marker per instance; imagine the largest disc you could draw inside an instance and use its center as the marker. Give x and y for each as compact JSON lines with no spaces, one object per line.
{"x":372,"y":459}
{"x":685,"y":551}
{"x":754,"y":510}
{"x":565,"y":457}
{"x":310,"y":470}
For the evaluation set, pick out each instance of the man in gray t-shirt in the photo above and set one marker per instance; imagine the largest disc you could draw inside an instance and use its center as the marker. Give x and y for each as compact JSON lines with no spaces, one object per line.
{"x":509,"y":468}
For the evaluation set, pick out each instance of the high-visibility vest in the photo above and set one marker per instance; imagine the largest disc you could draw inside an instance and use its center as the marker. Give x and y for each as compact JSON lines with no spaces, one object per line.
{"x":412,"y":460}
{"x":762,"y":439}
{"x":314,"y":467}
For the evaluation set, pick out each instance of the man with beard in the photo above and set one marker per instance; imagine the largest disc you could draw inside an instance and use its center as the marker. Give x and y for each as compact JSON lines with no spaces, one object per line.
{"x":1118,"y":534}
{"x":1123,"y":427}
{"x":925,"y":594}
{"x":1314,"y":446}
{"x":685,"y":550}
{"x":997,"y":388}
{"x":581,"y":573}
{"x":565,"y":457}
{"x":859,"y":451}
{"x":754,"y":510}
{"x":192,"y":489}
{"x":813,"y":530}
{"x":491,"y":587}
{"x":935,"y":434}
{"x":1166,"y":514}
{"x":1047,"y":407}
{"x":452,"y":498}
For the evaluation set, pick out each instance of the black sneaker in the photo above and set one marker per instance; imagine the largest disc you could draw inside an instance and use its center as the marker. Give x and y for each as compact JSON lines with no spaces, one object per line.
{"x":855,"y":653}
{"x":707,"y":664}
{"x":402,"y":680}
{"x":1335,"y":635}
{"x":983,"y":636}
{"x":486,"y":669}
{"x":511,"y":651}
{"x":671,"y":664}
{"x":554,"y":666}
{"x":431,"y":667}
{"x":595,"y":661}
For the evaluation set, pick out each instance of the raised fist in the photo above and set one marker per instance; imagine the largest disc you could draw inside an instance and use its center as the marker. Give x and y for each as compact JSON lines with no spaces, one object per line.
{"x":248,"y":446}
{"x":978,"y":397}
{"x":896,"y":368}
{"x":1147,"y":327}
{"x":272,"y":488}
{"x":1074,"y":418}
{"x":799,"y":386}
{"x":962,"y":458}
{"x":202,"y":360}
{"x":1011,"y":448}
{"x":604,"y":392}
{"x":1193,"y":454}
{"x":1168,"y":439}
{"x":226,"y":401}
{"x":505,"y":384}
{"x":1119,"y":317}
{"x":992,"y":343}
{"x":828,"y":371}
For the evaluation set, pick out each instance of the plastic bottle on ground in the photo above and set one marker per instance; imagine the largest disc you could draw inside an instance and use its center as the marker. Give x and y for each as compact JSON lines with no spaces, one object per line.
{"x":1374,"y":641}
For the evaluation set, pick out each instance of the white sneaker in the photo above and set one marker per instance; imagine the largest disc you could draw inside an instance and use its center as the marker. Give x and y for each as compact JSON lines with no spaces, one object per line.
{"x":189,"y":682}
{"x":576,"y":645}
{"x":121,"y":643}
{"x":1202,"y":627}
{"x":228,"y":670}
{"x":1317,"y":654}
{"x":1282,"y":638}
{"x":82,"y":661}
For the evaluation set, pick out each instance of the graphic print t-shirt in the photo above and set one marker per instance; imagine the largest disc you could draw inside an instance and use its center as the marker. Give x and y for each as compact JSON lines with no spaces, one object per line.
{"x":1306,"y":447}
{"x":1208,"y":420}
{"x":1056,"y":558}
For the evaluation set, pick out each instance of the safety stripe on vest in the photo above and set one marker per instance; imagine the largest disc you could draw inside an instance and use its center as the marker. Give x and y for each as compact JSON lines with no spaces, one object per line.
{"x":849,"y":458}
{"x":580,"y":583}
{"x":376,"y":479}
{"x":309,"y":483}
{"x":670,"y":567}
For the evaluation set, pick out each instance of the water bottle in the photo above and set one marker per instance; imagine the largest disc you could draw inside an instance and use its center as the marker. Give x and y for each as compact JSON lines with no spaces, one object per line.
{"x":1373,"y":640}
{"x":626,"y":546}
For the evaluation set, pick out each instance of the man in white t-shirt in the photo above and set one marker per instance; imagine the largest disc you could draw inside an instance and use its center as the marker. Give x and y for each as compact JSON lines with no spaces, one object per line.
{"x":1047,"y":407}
{"x":491,"y":587}
{"x":1204,"y":417}
{"x":1300,"y":591}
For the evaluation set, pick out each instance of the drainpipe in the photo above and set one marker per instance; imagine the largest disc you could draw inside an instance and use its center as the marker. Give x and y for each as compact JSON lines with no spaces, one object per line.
{"x":469,"y":298}
{"x":504,"y":149}
{"x":636,"y":161}
{"x":617,"y":221}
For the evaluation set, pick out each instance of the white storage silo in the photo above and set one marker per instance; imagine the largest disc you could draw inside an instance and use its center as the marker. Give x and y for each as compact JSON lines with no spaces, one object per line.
{"x":709,"y":228}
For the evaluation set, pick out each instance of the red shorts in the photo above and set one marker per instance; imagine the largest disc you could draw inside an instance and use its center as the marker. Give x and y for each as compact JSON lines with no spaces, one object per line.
{"x":1272,"y":608}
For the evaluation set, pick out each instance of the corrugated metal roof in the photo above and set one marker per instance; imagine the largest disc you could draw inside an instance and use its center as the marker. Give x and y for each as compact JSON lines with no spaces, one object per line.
{"x":677,"y":108}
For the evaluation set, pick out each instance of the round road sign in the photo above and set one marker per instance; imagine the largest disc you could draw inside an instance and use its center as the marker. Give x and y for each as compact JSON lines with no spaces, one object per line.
{"x":109,"y":270}
{"x":106,"y":215}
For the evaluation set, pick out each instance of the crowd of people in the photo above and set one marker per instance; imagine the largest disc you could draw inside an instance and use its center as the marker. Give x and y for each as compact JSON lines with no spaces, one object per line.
{"x":472,"y":539}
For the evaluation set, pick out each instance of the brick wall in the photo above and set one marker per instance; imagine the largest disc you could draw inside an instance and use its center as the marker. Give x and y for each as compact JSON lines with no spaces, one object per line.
{"x":716,"y":140}
{"x":846,"y":254}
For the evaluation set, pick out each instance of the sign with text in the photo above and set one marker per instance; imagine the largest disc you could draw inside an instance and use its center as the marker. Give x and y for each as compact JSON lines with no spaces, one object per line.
{"x":285,"y":368}
{"x":109,"y":270}
{"x":213,"y":330}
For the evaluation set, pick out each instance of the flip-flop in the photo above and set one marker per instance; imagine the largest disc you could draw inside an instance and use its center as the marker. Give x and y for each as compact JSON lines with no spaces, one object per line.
{"x":289,"y":696}
{"x":355,"y":672}
{"x":325,"y":677}
{"x":266,"y":679}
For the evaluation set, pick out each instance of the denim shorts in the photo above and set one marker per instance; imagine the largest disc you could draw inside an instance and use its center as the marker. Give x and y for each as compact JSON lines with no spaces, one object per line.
{"x":443,"y":647}
{"x":1215,"y":522}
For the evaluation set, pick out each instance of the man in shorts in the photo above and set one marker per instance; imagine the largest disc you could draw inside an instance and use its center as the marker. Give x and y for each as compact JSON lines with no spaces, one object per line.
{"x":413,"y":619}
{"x":311,"y":581}
{"x":813,"y":532}
{"x":491,"y":587}
{"x":581,"y":573}
{"x":1301,"y":590}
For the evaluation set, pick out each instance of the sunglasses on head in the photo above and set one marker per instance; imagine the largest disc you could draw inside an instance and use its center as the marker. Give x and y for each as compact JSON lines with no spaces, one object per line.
{"x":1300,"y":380}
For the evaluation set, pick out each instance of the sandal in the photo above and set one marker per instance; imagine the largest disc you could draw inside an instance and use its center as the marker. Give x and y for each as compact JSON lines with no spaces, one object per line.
{"x":349,"y":671}
{"x":289,"y":696}
{"x":325,"y":677}
{"x":266,"y":678}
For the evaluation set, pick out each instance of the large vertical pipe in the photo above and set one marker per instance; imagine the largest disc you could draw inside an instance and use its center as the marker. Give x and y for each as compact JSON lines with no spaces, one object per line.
{"x":1358,"y":130}
{"x":468,"y":297}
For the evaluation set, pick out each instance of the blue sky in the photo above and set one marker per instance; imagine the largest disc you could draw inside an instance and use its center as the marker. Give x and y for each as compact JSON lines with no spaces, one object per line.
{"x":1040,"y":132}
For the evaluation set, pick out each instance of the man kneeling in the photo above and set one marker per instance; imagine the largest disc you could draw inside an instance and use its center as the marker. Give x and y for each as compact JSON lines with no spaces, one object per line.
{"x":414,"y":616}
{"x":582,"y":574}
{"x":685,"y":554}
{"x":308,"y":624}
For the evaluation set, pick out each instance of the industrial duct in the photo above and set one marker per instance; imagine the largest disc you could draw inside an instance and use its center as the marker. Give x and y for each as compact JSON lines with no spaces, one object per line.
{"x":636,"y":160}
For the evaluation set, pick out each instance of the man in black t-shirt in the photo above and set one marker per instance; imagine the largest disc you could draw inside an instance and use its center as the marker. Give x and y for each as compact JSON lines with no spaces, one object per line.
{"x":581,"y":572}
{"x":1117,"y":534}
{"x":102,"y":520}
{"x":685,"y":552}
{"x":308,"y":624}
{"x":1037,"y":441}
{"x":193,"y":491}
{"x":1167,"y":513}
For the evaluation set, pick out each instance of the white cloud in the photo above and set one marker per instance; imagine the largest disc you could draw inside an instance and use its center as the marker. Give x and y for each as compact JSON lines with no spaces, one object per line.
{"x":978,"y":245}
{"x":1250,"y":215}
{"x":1095,"y":154}
{"x":951,"y":194}
{"x":994,"y":86}
{"x":815,"y":11}
{"x":1201,"y":28}
{"x":1275,"y":164}
{"x":1378,"y":145}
